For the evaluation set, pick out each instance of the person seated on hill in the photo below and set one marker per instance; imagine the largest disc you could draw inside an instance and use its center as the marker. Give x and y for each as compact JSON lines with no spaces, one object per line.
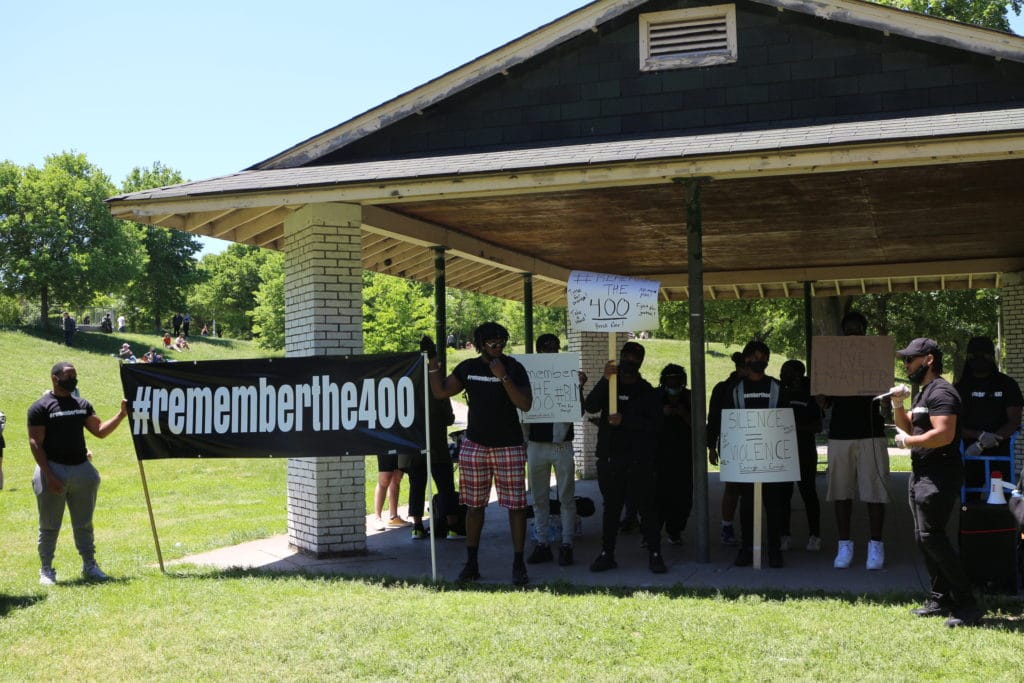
{"x":148,"y":356}
{"x":181,"y":344}
{"x":205,"y":332}
{"x":167,"y":340}
{"x":125,"y":354}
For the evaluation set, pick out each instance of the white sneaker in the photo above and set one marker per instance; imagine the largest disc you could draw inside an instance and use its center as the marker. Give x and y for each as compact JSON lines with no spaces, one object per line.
{"x":92,"y":571}
{"x":813,"y":543}
{"x":785,"y":542}
{"x":844,"y":558}
{"x":379,"y":525}
{"x":876,"y":555}
{"x":47,"y":576}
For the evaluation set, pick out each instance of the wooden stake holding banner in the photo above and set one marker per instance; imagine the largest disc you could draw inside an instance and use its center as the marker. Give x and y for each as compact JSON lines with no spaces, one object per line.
{"x":600,"y":302}
{"x":757,"y":446}
{"x":152,"y":521}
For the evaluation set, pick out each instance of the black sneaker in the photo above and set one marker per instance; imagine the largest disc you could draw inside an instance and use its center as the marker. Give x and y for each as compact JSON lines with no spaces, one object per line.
{"x":470,"y":572}
{"x":744,"y":558}
{"x":604,"y":562}
{"x":519,"y":575}
{"x":965,"y":616}
{"x":775,"y":558}
{"x":675,"y":539}
{"x":565,"y":556}
{"x":541,"y":553}
{"x":657,"y":563}
{"x":932,"y":608}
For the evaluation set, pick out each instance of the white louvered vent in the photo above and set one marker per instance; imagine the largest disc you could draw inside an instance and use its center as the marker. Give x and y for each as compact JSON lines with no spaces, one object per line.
{"x":686,"y":38}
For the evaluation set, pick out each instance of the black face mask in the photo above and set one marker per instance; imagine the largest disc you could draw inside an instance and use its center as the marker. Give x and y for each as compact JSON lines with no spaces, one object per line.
{"x":917,"y":375}
{"x":981,"y":366}
{"x":69,"y":384}
{"x":757,"y":366}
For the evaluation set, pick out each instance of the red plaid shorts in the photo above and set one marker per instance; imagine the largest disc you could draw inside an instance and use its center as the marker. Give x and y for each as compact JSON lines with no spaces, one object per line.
{"x":506,"y":465}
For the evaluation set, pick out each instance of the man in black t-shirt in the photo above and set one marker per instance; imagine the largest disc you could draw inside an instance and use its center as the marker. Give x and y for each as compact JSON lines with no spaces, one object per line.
{"x":991,"y":413}
{"x":931,"y":432}
{"x":858,"y":464}
{"x":496,"y":385}
{"x":64,"y":475}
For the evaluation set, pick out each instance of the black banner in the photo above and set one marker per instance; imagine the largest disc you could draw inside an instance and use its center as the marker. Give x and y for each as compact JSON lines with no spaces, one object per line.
{"x":315,"y":406}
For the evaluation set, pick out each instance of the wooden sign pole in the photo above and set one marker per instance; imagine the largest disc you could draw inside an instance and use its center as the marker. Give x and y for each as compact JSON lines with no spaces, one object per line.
{"x":613,"y":381}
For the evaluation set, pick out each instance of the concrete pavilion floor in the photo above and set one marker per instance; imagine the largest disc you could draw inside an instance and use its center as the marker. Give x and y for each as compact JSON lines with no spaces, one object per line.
{"x":393,"y":553}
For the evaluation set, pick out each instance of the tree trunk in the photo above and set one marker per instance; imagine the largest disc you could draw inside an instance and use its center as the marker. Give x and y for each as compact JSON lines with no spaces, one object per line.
{"x":44,"y":307}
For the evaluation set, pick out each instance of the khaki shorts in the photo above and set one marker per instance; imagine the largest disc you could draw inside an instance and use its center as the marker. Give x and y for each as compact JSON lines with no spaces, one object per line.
{"x":858,"y":468}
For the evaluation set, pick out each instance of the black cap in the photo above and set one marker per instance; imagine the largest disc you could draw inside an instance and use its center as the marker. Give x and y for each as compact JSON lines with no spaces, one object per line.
{"x":982,"y":346}
{"x":921,"y":346}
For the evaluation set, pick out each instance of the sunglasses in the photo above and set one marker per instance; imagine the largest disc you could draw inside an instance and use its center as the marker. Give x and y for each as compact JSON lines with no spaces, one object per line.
{"x":495,"y":345}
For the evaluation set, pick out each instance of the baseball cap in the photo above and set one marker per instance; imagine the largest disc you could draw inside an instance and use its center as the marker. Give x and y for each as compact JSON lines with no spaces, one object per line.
{"x":921,"y":346}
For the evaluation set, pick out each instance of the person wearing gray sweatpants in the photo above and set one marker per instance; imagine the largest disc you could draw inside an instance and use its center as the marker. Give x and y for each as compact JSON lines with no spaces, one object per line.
{"x":64,"y":475}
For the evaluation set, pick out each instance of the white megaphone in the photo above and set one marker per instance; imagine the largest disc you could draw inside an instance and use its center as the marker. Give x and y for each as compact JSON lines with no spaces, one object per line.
{"x":996,"y":487}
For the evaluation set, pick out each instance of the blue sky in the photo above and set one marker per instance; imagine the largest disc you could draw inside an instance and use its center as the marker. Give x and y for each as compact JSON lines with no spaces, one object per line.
{"x":211,"y":87}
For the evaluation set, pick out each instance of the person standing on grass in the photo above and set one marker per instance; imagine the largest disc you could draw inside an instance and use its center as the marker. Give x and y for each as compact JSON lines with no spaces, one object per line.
{"x":549,"y":446}
{"x":64,"y":475}
{"x":496,"y":386}
{"x":69,"y":327}
{"x":932,"y":433}
{"x":626,"y":454}
{"x":3,"y":445}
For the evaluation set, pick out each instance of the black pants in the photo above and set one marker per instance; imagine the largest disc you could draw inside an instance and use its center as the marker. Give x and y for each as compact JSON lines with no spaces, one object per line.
{"x":619,"y":477}
{"x":675,"y":494}
{"x":444,"y":482}
{"x":776,"y":501}
{"x":808,"y":488}
{"x":933,"y":493}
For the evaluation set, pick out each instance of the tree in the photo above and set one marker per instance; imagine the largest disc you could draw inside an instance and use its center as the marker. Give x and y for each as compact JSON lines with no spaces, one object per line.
{"x":987,"y":13}
{"x":58,"y":241}
{"x":169,"y":269}
{"x":227,"y":293}
{"x":268,"y":316}
{"x":396,"y":313}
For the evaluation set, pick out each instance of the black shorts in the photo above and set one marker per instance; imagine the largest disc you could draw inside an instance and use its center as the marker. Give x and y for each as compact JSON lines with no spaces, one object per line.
{"x":387,"y":463}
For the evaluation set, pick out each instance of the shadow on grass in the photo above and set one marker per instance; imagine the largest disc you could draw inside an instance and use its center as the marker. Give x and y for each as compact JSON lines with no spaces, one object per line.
{"x":9,"y":603}
{"x":107,"y":344}
{"x":1005,"y":612}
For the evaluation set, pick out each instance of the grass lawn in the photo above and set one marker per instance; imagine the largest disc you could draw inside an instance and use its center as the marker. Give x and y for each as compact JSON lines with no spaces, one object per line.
{"x":199,"y":624}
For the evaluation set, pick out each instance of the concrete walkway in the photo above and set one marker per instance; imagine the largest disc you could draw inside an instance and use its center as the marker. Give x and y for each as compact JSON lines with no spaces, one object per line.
{"x":395,"y":554}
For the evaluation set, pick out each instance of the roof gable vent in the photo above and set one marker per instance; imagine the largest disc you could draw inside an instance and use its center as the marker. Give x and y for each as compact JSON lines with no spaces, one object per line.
{"x":687,"y":38}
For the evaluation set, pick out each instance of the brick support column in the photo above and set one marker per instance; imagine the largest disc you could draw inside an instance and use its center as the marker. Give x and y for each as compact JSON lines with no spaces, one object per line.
{"x":324,"y":316}
{"x":1012,"y":312}
{"x":593,"y":350}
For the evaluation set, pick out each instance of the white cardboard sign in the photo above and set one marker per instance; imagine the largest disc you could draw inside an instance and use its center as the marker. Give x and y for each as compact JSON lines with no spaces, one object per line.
{"x":554,"y":379}
{"x":600,"y":302}
{"x":759,"y":445}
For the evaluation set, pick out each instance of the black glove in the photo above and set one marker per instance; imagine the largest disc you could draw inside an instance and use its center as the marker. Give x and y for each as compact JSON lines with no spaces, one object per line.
{"x":428,"y":346}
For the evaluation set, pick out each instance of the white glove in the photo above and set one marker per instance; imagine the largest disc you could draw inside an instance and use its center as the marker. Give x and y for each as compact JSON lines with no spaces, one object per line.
{"x":989,"y":440}
{"x":899,"y":393}
{"x":901,"y":438}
